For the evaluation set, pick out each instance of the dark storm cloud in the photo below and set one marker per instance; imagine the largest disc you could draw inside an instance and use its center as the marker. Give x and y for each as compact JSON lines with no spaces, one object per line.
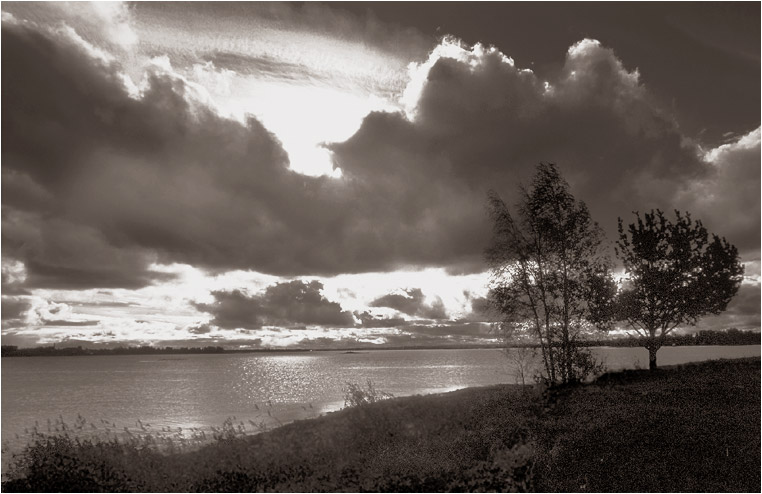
{"x":12,"y":285}
{"x":450,"y":329}
{"x":368,"y":320}
{"x":483,"y":123}
{"x":13,"y":312}
{"x":727,"y":200}
{"x":125,"y":180}
{"x":747,"y":301}
{"x":480,"y":311}
{"x":59,"y":253}
{"x":64,"y":322}
{"x":234,"y":309}
{"x":701,"y":60}
{"x":122,"y":182}
{"x":479,"y":305}
{"x":200,"y":329}
{"x":288,"y":304}
{"x":13,"y":307}
{"x":408,"y":303}
{"x":14,"y":289}
{"x":412,"y":303}
{"x":743,"y":312}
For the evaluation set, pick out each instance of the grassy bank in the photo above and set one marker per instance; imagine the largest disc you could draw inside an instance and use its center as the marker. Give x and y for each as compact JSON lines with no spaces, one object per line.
{"x":690,"y":428}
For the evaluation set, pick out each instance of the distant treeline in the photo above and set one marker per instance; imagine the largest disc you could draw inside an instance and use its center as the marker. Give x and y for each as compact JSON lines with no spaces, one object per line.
{"x":47,"y":351}
{"x":44,"y":351}
{"x":732,"y":336}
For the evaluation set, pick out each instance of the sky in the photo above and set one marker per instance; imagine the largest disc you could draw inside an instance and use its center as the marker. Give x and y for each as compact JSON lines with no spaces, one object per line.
{"x":315,"y":175}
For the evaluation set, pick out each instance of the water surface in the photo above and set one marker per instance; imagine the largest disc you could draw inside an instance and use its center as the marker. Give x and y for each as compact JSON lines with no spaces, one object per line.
{"x":198,"y":391}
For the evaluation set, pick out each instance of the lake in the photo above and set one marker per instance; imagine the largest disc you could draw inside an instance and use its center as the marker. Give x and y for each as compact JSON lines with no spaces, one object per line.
{"x":183,"y":392}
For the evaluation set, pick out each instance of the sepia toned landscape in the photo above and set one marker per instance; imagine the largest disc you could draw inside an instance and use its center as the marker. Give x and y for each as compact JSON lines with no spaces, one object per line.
{"x":380,"y":247}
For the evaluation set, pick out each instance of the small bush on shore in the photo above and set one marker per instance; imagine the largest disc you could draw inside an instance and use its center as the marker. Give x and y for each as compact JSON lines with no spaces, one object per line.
{"x":59,"y":463}
{"x":355,"y":395}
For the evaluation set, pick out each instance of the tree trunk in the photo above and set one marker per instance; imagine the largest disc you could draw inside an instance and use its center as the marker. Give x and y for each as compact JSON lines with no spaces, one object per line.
{"x":550,"y":354}
{"x":652,"y":349}
{"x":568,"y":357}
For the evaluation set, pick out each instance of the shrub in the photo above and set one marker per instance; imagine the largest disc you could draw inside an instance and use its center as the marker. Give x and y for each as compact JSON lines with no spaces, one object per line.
{"x":355,"y":395}
{"x":61,"y":464}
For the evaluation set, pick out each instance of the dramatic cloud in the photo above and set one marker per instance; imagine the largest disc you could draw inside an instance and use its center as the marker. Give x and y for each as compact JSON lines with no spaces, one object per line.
{"x":368,"y":320}
{"x":480,"y":311}
{"x":13,"y":278}
{"x":121,"y":179}
{"x":743,"y":311}
{"x":65,"y":322}
{"x":451,"y":330}
{"x":727,"y":200}
{"x":412,"y":303}
{"x":313,"y":38}
{"x":124,"y":182}
{"x":479,"y":122}
{"x":14,"y":307}
{"x":122,"y":169}
{"x":200,"y":329}
{"x":286,"y":304}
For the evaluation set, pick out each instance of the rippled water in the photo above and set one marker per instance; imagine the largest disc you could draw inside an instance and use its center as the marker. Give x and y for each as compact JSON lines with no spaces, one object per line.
{"x":189,"y":391}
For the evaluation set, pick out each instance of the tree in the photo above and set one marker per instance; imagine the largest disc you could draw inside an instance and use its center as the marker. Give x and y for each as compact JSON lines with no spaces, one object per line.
{"x":549,"y":276}
{"x":674,"y":275}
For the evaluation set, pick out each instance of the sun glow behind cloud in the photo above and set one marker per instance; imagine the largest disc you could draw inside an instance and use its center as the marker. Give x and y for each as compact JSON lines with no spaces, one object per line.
{"x":307,"y":87}
{"x":449,"y":47}
{"x":302,"y":117}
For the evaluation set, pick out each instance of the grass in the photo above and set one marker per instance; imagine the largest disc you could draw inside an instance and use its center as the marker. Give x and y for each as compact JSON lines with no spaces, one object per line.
{"x":690,"y":428}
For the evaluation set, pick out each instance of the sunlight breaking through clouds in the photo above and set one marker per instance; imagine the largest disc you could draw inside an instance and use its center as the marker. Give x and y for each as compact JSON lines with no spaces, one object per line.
{"x":280,"y":144}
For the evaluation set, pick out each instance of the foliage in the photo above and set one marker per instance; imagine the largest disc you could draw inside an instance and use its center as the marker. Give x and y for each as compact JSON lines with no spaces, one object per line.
{"x":549,"y":276}
{"x":675,"y":275}
{"x":355,"y":395}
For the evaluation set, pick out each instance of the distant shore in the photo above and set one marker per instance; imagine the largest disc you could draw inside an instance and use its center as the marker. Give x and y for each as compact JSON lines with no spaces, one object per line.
{"x":702,"y":338}
{"x":692,"y":427}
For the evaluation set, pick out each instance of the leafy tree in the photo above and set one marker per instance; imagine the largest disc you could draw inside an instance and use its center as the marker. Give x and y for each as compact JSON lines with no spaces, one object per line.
{"x":549,"y":277}
{"x":675,"y":275}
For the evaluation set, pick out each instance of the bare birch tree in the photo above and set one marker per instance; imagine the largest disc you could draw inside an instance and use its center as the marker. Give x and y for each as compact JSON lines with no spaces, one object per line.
{"x":549,"y":275}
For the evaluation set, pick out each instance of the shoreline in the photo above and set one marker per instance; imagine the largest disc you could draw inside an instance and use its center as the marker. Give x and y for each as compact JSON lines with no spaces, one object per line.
{"x":90,"y":352}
